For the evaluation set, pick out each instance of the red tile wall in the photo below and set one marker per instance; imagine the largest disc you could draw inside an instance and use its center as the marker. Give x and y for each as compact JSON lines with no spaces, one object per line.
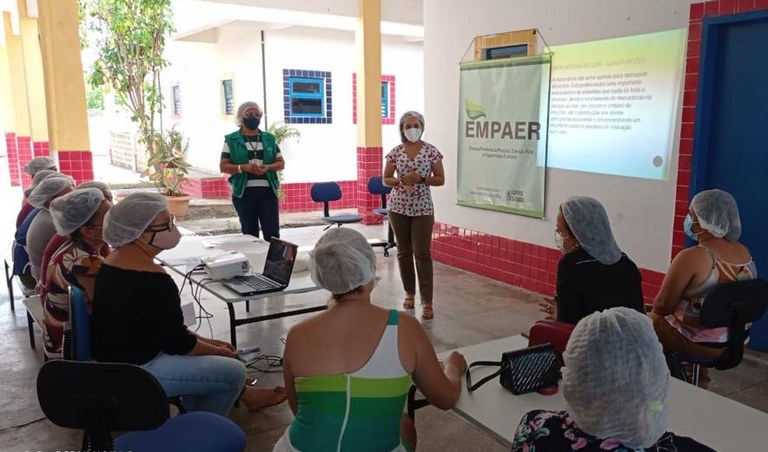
{"x":24,"y":152}
{"x":13,"y":159}
{"x":78,"y":164}
{"x":384,"y":78}
{"x":521,"y":264}
{"x":41,"y":148}
{"x":369,"y":164}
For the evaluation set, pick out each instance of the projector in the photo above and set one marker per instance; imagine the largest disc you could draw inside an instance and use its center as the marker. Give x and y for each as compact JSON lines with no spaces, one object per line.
{"x":226,"y":265}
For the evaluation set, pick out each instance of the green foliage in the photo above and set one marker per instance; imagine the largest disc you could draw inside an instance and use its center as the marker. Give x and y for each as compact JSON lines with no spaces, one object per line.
{"x":129,"y":37}
{"x":167,"y":165}
{"x":94,"y":98}
{"x":282,"y":132}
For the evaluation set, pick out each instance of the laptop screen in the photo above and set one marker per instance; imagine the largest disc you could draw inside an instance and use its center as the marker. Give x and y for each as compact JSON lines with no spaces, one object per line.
{"x":280,"y":259}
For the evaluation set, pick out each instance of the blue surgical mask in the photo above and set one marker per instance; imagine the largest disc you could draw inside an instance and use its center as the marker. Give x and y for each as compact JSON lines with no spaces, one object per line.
{"x":688,"y":228}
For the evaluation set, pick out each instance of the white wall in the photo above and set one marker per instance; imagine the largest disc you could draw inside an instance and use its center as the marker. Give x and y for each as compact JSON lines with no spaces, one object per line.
{"x":641,"y":211}
{"x":325,"y":151}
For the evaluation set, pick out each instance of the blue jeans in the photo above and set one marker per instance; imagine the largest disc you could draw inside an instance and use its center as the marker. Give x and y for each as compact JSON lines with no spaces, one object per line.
{"x":258,"y":205}
{"x":205,"y":383}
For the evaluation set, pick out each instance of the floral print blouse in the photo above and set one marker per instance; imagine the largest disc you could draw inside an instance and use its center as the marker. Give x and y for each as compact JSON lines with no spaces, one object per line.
{"x":418,"y":202}
{"x":555,"y":431}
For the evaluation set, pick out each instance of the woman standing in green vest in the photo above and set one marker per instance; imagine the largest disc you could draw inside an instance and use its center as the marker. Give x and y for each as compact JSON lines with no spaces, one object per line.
{"x":252,"y":158}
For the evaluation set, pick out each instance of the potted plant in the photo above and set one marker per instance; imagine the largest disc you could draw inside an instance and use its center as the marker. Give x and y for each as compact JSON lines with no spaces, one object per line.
{"x":167,"y":168}
{"x":282,"y":132}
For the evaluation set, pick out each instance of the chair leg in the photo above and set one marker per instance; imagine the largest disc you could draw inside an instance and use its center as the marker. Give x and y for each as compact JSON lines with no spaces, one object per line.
{"x":31,"y":327}
{"x":9,"y":283}
{"x":696,"y":374}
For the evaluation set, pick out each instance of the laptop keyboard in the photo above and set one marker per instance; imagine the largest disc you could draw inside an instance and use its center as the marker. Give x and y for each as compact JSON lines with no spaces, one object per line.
{"x":257,"y":283}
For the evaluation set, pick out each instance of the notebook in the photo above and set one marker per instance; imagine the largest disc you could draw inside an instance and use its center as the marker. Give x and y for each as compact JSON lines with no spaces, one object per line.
{"x":276,"y":274}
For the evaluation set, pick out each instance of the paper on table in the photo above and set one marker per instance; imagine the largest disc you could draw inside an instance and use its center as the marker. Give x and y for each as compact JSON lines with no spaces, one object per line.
{"x":188,"y":311}
{"x":188,"y":262}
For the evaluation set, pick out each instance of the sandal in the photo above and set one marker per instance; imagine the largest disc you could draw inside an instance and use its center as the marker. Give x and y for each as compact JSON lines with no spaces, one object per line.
{"x":426,"y":311}
{"x":277,"y":397}
{"x":410,"y":302}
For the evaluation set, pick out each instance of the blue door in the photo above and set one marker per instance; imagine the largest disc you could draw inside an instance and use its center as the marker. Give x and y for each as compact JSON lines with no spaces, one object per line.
{"x":731,"y":142}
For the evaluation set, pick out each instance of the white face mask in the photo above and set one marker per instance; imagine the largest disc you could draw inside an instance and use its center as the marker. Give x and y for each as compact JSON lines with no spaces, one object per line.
{"x":559,"y":240}
{"x":413,"y":134}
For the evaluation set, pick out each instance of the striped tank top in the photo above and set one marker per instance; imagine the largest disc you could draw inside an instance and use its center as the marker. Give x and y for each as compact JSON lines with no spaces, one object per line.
{"x":356,"y":411}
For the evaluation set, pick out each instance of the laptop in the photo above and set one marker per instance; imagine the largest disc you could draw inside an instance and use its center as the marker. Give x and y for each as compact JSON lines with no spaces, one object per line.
{"x":276,"y":275}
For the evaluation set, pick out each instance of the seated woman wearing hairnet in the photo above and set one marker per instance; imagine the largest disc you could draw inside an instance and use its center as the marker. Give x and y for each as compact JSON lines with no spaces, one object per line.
{"x":26,"y":207}
{"x":713,"y":221}
{"x":593,"y":273}
{"x":42,"y":229}
{"x":137,"y":315}
{"x":24,"y":219}
{"x":625,"y":409}
{"x":78,"y":215}
{"x":100,"y":185}
{"x":348,"y":370}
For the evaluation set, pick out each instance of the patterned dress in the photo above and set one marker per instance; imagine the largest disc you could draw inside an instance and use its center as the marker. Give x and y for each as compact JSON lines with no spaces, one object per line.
{"x":418,"y":202}
{"x":69,"y":261}
{"x":555,"y":431}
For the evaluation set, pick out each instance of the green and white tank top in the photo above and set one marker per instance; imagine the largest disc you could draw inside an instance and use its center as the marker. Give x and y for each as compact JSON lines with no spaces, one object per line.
{"x":353,"y":412}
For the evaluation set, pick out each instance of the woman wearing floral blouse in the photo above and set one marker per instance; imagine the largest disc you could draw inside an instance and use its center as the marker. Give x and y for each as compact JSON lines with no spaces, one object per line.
{"x":411,"y":168}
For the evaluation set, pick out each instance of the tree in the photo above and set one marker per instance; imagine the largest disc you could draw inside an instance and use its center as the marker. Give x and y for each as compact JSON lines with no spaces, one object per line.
{"x":129,"y":38}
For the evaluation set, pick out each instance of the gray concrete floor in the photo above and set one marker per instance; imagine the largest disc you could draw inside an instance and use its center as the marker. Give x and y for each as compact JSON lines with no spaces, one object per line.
{"x":469,"y":309}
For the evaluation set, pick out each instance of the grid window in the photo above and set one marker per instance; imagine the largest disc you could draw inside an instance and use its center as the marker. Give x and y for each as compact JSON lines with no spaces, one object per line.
{"x":385,"y":99}
{"x":307,"y":96}
{"x":228,"y":96}
{"x":176,"y":98}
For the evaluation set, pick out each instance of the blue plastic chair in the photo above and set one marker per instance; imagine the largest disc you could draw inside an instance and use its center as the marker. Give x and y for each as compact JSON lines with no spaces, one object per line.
{"x":78,"y":347}
{"x":100,"y":398}
{"x":325,"y":192}
{"x":376,"y":187}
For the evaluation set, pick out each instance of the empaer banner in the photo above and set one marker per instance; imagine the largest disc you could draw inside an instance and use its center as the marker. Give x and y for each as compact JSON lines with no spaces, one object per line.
{"x":502,"y":149}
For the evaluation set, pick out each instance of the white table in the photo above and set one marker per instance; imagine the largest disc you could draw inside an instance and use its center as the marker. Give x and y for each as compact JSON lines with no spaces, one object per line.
{"x":718,"y":422}
{"x":191,"y":249}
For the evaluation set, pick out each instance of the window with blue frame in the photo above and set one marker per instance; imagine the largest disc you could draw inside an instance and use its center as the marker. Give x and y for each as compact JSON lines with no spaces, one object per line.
{"x":385,"y":99}
{"x":176,"y":99}
{"x":228,"y":97}
{"x":307,"y":96}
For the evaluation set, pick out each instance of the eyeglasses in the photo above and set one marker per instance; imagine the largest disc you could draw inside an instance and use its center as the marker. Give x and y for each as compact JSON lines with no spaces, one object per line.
{"x":252,"y":115}
{"x":163,"y":227}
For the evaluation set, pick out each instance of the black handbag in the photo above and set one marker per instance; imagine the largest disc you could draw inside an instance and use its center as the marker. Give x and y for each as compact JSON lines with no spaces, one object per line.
{"x":523,"y":370}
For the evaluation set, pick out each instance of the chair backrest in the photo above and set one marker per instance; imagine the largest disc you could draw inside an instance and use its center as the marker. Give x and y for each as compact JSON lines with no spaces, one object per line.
{"x":80,"y":325}
{"x":551,"y":331}
{"x":376,"y":187}
{"x":53,"y":245}
{"x":325,"y":192}
{"x":734,"y":304}
{"x":100,"y":398}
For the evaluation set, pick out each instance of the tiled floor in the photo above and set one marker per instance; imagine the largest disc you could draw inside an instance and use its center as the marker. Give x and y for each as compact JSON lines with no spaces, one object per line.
{"x":469,"y":309}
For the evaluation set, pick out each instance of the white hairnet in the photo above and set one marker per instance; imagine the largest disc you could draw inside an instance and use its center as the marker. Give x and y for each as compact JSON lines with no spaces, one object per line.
{"x":73,"y":210}
{"x":129,"y":218}
{"x":38,"y":177}
{"x":48,"y":188}
{"x":717,"y":213}
{"x":587,"y":219}
{"x":39,"y":164}
{"x":615,"y":378}
{"x":93,"y":184}
{"x":342,"y":261}
{"x":241,"y":111}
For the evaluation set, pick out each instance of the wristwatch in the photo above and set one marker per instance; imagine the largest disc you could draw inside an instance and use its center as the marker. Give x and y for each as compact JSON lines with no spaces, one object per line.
{"x":423,"y":180}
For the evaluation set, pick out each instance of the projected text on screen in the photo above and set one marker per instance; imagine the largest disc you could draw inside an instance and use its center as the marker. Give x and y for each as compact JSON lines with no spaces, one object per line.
{"x":613,"y":104}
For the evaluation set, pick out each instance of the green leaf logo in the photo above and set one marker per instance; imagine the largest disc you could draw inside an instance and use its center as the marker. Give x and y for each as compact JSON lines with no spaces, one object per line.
{"x":474,"y":111}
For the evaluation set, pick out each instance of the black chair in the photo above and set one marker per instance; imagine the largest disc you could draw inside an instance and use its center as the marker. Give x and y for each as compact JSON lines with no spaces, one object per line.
{"x":377,"y":187}
{"x":325,"y":192}
{"x":100,"y":398}
{"x":413,"y":404}
{"x":732,"y":305}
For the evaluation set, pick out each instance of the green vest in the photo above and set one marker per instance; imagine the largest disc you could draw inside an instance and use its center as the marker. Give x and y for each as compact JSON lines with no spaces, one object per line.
{"x":238,"y":155}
